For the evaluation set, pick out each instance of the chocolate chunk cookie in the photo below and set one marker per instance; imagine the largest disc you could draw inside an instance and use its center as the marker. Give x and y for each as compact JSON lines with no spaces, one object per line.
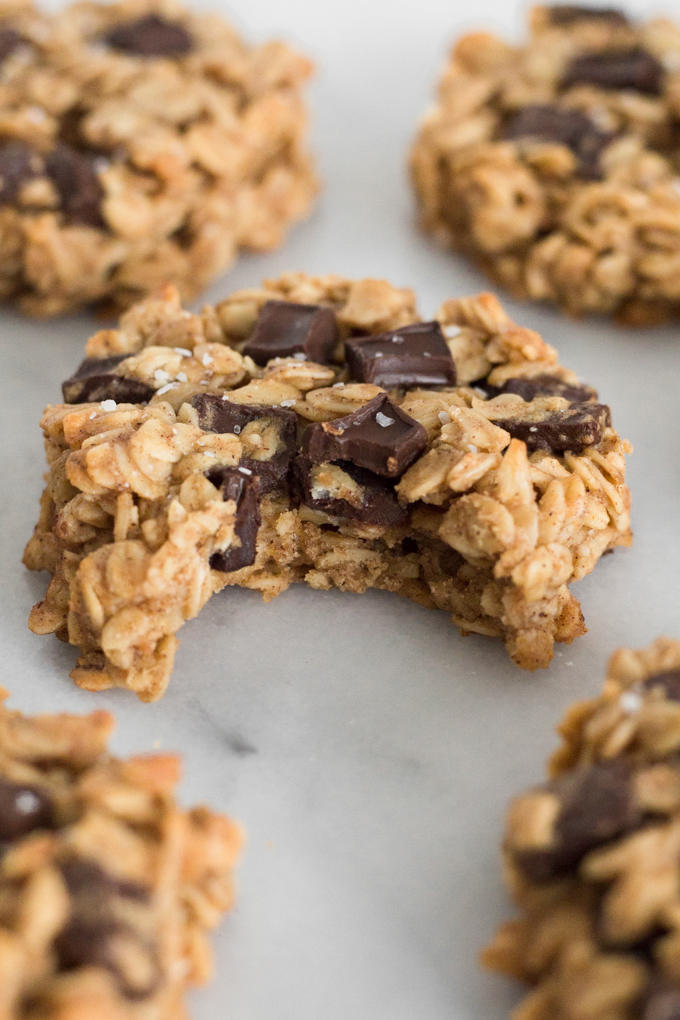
{"x":300,"y":432}
{"x":553,"y":164}
{"x":591,"y":856}
{"x":108,"y":866}
{"x":141,"y":150}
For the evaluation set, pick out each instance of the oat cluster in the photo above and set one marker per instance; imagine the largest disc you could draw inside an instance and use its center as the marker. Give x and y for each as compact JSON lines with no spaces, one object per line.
{"x":107,"y":888}
{"x":191,"y":455}
{"x":140,"y":144}
{"x":593,"y":856}
{"x":554,"y":164}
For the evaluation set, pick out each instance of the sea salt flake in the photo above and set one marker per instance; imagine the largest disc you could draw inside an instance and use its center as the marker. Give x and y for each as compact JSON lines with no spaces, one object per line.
{"x":630,"y":701}
{"x":300,"y":356}
{"x":108,"y":405}
{"x":288,"y":403}
{"x":237,"y":429}
{"x":184,"y":351}
{"x":93,"y":415}
{"x":245,"y":471}
{"x":426,"y":354}
{"x":397,"y":339}
{"x":472,"y":448}
{"x":161,"y":375}
{"x":206,"y":359}
{"x":444,"y":417}
{"x":26,"y":802}
{"x":166,"y":388}
{"x":338,"y":385}
{"x":451,"y":331}
{"x":182,"y":376}
{"x":383,"y":419}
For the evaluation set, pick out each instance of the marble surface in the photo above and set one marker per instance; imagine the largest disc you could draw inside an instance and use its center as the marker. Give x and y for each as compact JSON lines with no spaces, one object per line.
{"x":368,"y":748}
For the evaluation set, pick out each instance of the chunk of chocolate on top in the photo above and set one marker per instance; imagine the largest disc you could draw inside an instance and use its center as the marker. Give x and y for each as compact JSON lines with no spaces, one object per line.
{"x":10,"y":40}
{"x":74,"y":176}
{"x":95,"y":381}
{"x":569,"y":127}
{"x":243,"y":487}
{"x":345,"y":490}
{"x":19,"y":164}
{"x":541,"y":428}
{"x":287,"y":330}
{"x":570,"y":14}
{"x":668,"y":682}
{"x":634,"y":69}
{"x":150,"y":36}
{"x":544,"y":385}
{"x":379,"y":436}
{"x":23,"y":808}
{"x":270,"y":434}
{"x":415,"y":355}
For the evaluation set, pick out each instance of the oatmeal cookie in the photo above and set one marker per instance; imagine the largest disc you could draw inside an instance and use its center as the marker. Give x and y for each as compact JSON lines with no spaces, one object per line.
{"x":314,"y":429}
{"x":140,"y":144}
{"x":592,"y":857}
{"x":107,"y":888}
{"x":555,"y":165}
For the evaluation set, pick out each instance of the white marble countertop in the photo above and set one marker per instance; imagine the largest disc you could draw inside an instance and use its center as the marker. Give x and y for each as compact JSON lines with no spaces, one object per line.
{"x":368,"y":748}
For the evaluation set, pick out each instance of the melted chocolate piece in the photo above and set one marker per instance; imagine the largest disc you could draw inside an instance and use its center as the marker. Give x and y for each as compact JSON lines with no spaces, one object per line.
{"x":77,"y":182}
{"x":548,"y":386}
{"x":23,"y":808}
{"x":662,"y":1006}
{"x":573,"y":429}
{"x":415,"y":355}
{"x":284,"y":329}
{"x":668,"y":682}
{"x":618,"y":69}
{"x":94,"y":936}
{"x":374,"y":502}
{"x":217,"y":415}
{"x":379,"y":436}
{"x":19,"y":163}
{"x":244,"y":489}
{"x":568,"y":14}
{"x":150,"y":36}
{"x":9,"y":41}
{"x":94,"y":381}
{"x":596,"y":807}
{"x":570,"y":127}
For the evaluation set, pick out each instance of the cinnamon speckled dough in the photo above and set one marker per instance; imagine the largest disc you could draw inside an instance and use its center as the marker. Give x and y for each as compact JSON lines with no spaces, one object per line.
{"x":262,"y":475}
{"x":140,"y":144}
{"x":554,"y":164}
{"x":107,"y":888}
{"x":592,"y":857}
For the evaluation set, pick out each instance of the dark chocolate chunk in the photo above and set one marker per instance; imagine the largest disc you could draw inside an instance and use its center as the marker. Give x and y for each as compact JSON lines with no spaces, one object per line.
{"x":568,"y":14}
{"x":379,"y":436}
{"x":572,"y":429}
{"x":596,"y":807}
{"x":570,"y":127}
{"x":372,"y":499}
{"x":23,"y":808}
{"x":85,"y":878}
{"x":662,"y":1006}
{"x":244,"y":488}
{"x":217,"y":415}
{"x":95,"y":381}
{"x":150,"y":36}
{"x":284,"y":329}
{"x":106,"y":942}
{"x":617,"y":69}
{"x":75,"y":178}
{"x":548,"y":386}
{"x":415,"y":355}
{"x":9,"y":41}
{"x":19,"y":163}
{"x":668,"y":682}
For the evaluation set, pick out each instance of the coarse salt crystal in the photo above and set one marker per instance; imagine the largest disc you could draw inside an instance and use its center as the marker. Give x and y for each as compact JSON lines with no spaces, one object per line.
{"x":35,"y":114}
{"x":206,"y":359}
{"x":451,"y":331}
{"x":26,"y":802}
{"x":533,"y":428}
{"x":444,"y":417}
{"x":161,"y":375}
{"x":93,"y":415}
{"x":630,"y":701}
{"x":426,"y":354}
{"x":166,"y":388}
{"x":245,"y":471}
{"x":338,"y":385}
{"x":300,"y":356}
{"x":288,"y":403}
{"x":384,"y":420}
{"x":108,"y":405}
{"x":237,"y":429}
{"x":472,"y":448}
{"x":174,"y":432}
{"x":379,"y":354}
{"x":184,"y":351}
{"x":397,"y":339}
{"x":182,"y":376}
{"x":224,"y":396}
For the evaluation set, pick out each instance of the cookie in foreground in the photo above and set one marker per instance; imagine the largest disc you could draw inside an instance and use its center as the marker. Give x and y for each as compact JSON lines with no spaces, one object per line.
{"x":141,"y":143}
{"x":314,"y":429}
{"x":554,"y":164}
{"x":107,"y":888}
{"x":592,"y":858}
